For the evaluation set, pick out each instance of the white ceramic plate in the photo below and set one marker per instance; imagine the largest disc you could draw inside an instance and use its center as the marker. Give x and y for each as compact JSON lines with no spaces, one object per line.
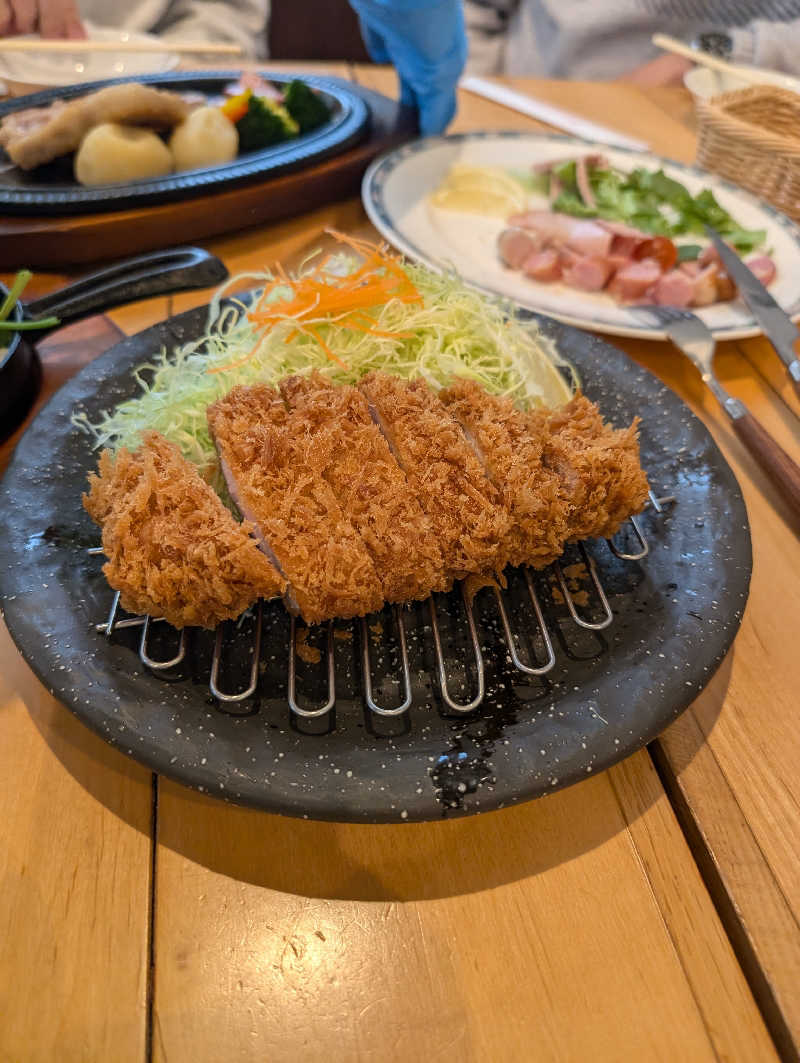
{"x":396,"y":188}
{"x":72,"y":68}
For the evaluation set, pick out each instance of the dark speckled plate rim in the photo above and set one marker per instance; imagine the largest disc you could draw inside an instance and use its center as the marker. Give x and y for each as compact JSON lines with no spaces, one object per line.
{"x":345,"y":128}
{"x":379,"y":170}
{"x":162,"y":753}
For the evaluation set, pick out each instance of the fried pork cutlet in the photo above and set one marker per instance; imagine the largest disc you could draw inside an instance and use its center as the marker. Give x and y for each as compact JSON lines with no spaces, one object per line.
{"x":297,"y":519}
{"x":173,"y":548}
{"x":463,"y":506}
{"x":343,"y":442}
{"x":601,"y":476}
{"x":38,"y":135}
{"x":510,"y":447}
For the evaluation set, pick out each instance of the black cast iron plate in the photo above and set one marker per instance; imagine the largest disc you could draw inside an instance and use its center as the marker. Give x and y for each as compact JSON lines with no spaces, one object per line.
{"x":676,"y":614}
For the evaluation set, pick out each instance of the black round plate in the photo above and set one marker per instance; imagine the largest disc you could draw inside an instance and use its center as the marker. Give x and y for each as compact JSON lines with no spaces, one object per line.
{"x":52,"y":188}
{"x":676,"y":613}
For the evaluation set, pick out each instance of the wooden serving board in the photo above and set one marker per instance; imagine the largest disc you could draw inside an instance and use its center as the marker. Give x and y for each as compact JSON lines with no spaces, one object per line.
{"x":56,"y":242}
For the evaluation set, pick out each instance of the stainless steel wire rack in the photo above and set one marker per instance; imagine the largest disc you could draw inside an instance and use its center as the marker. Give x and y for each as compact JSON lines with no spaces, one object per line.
{"x":534,"y":622}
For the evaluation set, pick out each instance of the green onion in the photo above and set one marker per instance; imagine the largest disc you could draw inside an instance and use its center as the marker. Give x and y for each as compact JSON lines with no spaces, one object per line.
{"x":14,"y":292}
{"x":28,"y":326}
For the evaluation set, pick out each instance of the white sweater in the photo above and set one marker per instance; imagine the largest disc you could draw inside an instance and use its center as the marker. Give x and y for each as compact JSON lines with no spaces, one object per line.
{"x":238,"y":21}
{"x":596,"y":39}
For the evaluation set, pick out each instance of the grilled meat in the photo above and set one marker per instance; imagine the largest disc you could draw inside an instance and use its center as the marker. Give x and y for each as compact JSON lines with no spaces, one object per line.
{"x":38,"y":135}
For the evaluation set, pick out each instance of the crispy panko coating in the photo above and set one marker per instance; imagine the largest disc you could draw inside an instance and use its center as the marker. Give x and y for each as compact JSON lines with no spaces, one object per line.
{"x":599,"y":468}
{"x":173,"y":548}
{"x":345,"y":445}
{"x":38,"y":135}
{"x":299,"y":522}
{"x":464,"y":507}
{"x":510,"y":447}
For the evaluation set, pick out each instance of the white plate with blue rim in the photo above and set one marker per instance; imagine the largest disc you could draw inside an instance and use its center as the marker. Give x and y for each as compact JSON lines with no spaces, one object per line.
{"x":397,"y":188}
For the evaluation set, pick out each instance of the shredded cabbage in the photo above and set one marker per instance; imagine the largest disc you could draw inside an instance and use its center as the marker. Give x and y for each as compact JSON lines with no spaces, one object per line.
{"x":454,"y":332}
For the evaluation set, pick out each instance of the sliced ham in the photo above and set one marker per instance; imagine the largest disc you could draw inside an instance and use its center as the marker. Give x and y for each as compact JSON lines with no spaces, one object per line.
{"x":589,"y":273}
{"x":618,"y":261}
{"x":597,"y":255}
{"x":515,"y":246}
{"x":625,"y":246}
{"x":675,"y":288}
{"x":585,"y":237}
{"x":707,"y":256}
{"x":544,"y":266}
{"x":726,"y":289}
{"x":619,"y":228}
{"x":763,"y":267}
{"x":632,"y":282}
{"x":705,"y":286}
{"x":624,"y":238}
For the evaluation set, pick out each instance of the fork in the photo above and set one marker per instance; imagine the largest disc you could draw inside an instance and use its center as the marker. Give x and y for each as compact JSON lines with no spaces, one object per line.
{"x":696,"y":341}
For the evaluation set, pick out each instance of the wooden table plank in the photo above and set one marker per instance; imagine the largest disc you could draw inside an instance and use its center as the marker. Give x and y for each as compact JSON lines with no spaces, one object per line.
{"x":77,"y":845}
{"x":481,"y":937}
{"x":75,"y":893}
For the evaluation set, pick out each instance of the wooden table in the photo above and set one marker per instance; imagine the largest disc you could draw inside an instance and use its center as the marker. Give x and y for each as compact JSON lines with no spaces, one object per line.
{"x":650,"y":913}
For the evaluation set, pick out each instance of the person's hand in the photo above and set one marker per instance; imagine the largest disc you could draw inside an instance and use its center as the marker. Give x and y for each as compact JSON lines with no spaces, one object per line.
{"x":426,"y":41}
{"x":664,"y":70}
{"x":50,"y":18}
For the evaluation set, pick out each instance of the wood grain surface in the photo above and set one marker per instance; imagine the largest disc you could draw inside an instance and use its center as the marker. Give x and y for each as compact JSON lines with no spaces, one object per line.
{"x":486,"y":938}
{"x":645,"y":914}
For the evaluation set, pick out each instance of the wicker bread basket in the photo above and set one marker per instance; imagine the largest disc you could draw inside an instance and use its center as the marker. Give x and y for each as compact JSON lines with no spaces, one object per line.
{"x":752,"y":137}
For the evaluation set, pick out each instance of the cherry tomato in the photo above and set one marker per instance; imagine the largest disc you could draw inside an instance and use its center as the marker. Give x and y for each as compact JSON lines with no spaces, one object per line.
{"x":661,"y":248}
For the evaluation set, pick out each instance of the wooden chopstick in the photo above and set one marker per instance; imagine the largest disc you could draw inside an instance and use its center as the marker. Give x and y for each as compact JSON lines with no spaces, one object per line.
{"x":15,"y":44}
{"x":671,"y":44}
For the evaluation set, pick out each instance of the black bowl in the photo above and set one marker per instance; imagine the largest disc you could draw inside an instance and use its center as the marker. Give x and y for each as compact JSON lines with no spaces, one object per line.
{"x":20,"y":376}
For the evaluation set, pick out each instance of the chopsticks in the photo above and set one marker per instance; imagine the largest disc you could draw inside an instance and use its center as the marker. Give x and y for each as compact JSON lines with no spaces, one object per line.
{"x":671,"y":44}
{"x":16,"y":44}
{"x":551,"y":115}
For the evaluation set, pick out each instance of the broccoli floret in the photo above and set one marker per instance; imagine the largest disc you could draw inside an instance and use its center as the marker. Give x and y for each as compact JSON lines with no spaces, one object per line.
{"x":304,"y":105}
{"x":266,"y":122}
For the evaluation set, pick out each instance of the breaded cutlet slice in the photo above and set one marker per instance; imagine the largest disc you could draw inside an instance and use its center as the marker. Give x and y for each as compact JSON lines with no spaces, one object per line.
{"x":347,"y":447}
{"x":34,"y":136}
{"x":599,"y":467}
{"x":173,"y":548}
{"x":510,"y":447}
{"x":465,"y":509}
{"x":296,"y":518}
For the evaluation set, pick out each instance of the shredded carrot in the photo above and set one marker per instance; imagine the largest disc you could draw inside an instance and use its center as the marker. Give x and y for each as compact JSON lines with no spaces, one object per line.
{"x":318,"y":297}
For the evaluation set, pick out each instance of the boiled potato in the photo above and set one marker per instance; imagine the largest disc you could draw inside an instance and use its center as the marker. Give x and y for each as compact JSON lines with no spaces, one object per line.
{"x":205,"y":138}
{"x":112,"y":153}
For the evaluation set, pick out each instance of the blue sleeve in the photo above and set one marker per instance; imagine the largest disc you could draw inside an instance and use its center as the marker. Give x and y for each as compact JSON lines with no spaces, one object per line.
{"x":426,"y":42}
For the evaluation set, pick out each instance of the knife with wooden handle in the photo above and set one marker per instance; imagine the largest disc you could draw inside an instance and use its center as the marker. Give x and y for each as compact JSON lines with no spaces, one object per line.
{"x":776,"y":324}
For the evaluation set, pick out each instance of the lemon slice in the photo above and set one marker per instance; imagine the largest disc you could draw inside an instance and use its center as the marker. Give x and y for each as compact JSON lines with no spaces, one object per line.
{"x":480,"y":190}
